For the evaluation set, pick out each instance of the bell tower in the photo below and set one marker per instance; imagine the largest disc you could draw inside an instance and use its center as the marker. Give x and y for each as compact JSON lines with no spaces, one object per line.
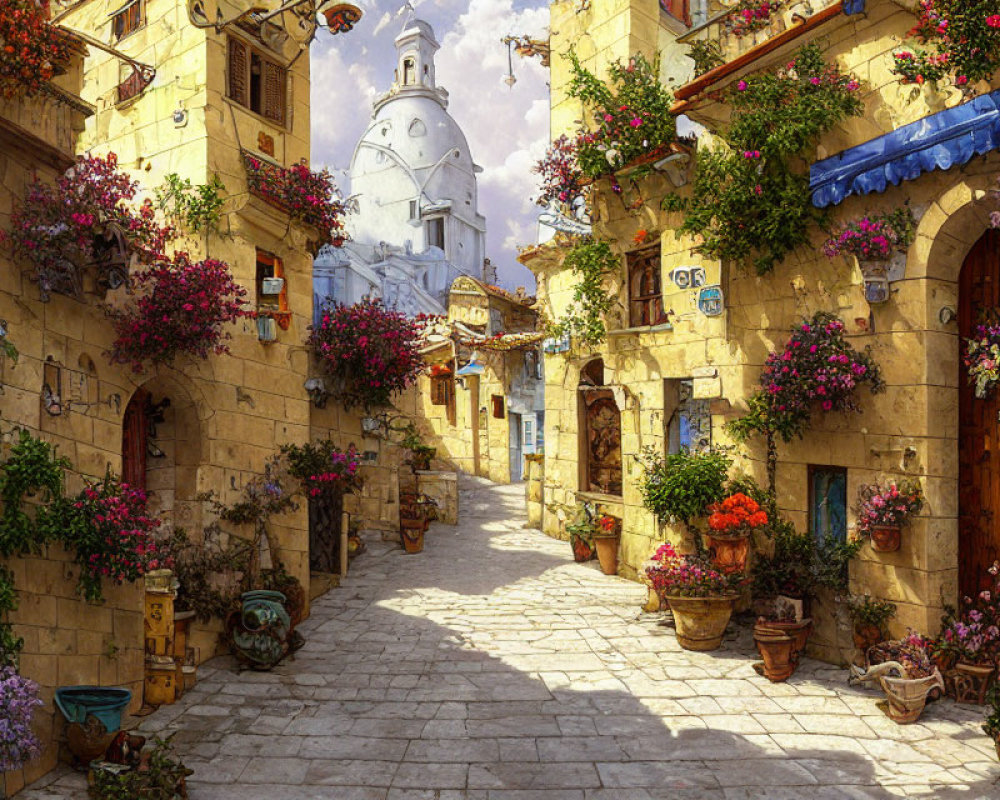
{"x":416,"y":47}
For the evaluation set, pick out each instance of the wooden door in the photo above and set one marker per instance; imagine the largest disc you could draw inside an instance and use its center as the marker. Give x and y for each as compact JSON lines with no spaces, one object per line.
{"x":979,"y":428}
{"x":135,"y":434}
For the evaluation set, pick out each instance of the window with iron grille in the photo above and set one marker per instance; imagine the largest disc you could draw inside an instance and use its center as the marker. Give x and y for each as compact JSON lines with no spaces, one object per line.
{"x":257,"y":83}
{"x":644,"y":293}
{"x":127,"y":20}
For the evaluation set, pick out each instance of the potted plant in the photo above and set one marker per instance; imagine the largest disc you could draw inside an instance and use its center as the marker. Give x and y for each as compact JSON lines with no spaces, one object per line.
{"x":783,"y":580}
{"x":280,"y":580}
{"x":972,"y":638}
{"x":731,"y":524}
{"x":873,"y":238}
{"x":415,"y":515}
{"x":159,"y":776}
{"x":869,"y":617}
{"x":581,"y":535}
{"x":883,"y":510}
{"x":420,"y":453}
{"x":606,"y":536}
{"x":700,"y":598}
{"x":778,"y":648}
{"x":683,"y":485}
{"x":18,"y":742}
{"x":905,"y":673}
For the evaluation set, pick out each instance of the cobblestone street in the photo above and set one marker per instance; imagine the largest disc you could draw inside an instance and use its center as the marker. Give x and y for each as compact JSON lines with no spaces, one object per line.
{"x":493,"y":667}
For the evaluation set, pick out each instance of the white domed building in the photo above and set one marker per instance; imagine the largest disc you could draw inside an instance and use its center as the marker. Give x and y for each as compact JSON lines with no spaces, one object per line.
{"x":417,"y":225}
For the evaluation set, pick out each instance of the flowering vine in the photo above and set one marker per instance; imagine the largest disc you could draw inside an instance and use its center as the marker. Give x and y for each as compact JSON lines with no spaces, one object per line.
{"x":18,"y":742}
{"x":368,"y":352}
{"x":322,"y":468}
{"x":30,"y":48}
{"x":748,"y":16}
{"x":308,"y":197}
{"x":750,"y":200}
{"x":84,"y":220}
{"x":562,"y":178}
{"x":816,"y":369}
{"x":630,"y":112}
{"x":181,"y":308}
{"x":965,"y":37}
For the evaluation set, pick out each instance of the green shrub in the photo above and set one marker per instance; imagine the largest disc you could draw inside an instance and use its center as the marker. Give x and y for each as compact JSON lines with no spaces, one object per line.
{"x":683,"y":485}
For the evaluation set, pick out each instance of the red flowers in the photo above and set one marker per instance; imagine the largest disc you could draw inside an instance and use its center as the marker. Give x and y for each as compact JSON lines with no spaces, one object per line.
{"x":307,"y":196}
{"x":738,"y":513}
{"x":560,"y":173}
{"x":182,"y":309}
{"x":30,"y":48}
{"x":367,"y":352}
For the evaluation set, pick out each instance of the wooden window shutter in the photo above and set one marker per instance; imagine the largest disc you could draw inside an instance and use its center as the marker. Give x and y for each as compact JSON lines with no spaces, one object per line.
{"x":680,"y":9}
{"x":275,"y":82}
{"x":239,"y":72}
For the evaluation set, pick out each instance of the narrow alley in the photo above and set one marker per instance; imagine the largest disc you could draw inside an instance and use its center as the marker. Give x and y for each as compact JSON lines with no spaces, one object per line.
{"x":493,"y":667}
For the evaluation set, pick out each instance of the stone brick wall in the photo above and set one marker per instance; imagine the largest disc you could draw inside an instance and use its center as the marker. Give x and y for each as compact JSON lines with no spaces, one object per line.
{"x":68,"y":642}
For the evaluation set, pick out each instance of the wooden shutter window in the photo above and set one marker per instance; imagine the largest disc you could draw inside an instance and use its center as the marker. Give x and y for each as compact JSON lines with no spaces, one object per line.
{"x":239,"y":72}
{"x":275,"y":83}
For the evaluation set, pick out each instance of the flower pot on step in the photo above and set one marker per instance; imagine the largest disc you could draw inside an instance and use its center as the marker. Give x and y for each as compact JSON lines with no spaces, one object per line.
{"x":701,"y":621}
{"x":607,"y":552}
{"x":777,"y":649}
{"x":885,"y":539}
{"x":729,"y":553}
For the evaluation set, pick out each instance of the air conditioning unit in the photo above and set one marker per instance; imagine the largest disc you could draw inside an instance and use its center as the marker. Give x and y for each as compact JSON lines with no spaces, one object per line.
{"x":267,"y":329}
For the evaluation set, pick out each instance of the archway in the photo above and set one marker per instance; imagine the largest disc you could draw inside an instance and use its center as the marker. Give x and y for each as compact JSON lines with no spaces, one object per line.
{"x":600,"y":433}
{"x":979,"y":426}
{"x":162,"y":450}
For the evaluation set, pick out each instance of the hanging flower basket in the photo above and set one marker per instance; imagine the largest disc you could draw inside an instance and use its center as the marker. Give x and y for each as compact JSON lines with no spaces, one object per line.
{"x":982,"y":357}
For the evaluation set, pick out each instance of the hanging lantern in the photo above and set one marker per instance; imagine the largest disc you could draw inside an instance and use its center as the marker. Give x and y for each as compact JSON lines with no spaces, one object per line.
{"x":341,"y":17}
{"x":510,"y":80}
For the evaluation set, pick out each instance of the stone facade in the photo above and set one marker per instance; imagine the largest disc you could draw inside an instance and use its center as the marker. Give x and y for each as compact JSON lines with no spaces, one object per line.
{"x":909,"y":431}
{"x":226,"y":414}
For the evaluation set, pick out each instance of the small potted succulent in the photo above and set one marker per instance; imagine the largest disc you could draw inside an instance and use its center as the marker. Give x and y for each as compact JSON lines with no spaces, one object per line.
{"x":883,"y":510}
{"x":870,"y":618}
{"x":731,"y":526}
{"x":606,"y":537}
{"x":700,"y":598}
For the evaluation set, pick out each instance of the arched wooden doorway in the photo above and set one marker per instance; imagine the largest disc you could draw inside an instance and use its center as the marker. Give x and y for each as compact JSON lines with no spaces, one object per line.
{"x":979,"y":427}
{"x":601,"y":433}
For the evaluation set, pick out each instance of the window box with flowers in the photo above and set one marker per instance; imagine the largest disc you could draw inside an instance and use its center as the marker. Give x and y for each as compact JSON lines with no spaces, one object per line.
{"x":33,"y":50}
{"x":700,"y":597}
{"x":874,"y":240}
{"x":308,"y":197}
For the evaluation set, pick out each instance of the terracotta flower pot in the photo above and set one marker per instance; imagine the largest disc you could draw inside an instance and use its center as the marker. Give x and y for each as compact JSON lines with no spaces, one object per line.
{"x":607,"y":552}
{"x":778,"y":651}
{"x":866,"y":636}
{"x":798,"y":631}
{"x":885,"y":539}
{"x":701,"y":621}
{"x":971,"y":682}
{"x":729,"y":553}
{"x":412,"y":534}
{"x":582,"y":549}
{"x":907,"y":696}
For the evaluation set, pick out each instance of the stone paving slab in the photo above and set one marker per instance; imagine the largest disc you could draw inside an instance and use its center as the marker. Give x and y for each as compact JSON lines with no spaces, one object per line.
{"x":492,"y":667}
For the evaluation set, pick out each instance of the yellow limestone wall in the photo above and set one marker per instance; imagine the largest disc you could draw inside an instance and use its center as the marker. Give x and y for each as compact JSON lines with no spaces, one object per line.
{"x":909,"y":431}
{"x":229,"y":413}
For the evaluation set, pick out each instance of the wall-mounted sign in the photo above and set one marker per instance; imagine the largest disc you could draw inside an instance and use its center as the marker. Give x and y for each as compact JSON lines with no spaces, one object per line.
{"x":710,"y":301}
{"x":688,"y":277}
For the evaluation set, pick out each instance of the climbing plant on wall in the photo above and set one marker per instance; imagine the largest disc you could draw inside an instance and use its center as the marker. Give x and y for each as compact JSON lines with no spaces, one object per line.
{"x":817,"y":369}
{"x":750,"y":199}
{"x":965,"y":37}
{"x":591,"y":262}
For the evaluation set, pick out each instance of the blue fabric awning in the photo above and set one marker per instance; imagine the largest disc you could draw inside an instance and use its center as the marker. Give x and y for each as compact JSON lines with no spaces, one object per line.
{"x":854,"y":7}
{"x":941,"y":141}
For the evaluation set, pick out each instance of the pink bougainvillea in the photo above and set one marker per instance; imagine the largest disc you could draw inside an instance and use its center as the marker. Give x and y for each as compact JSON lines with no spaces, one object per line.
{"x":30,"y":48}
{"x":674,"y":574}
{"x":84,"y":220}
{"x":307,"y":196}
{"x":181,"y":307}
{"x":112,"y":535}
{"x":873,"y":237}
{"x":887,"y":506}
{"x":367,"y":352}
{"x":562,"y":178}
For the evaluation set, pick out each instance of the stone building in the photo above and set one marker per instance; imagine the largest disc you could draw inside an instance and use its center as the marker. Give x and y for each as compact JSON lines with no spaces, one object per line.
{"x":196,"y":101}
{"x":695,"y":364}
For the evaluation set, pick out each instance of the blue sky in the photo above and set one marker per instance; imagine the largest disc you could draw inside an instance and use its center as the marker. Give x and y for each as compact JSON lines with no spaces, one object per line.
{"x":507,"y":128}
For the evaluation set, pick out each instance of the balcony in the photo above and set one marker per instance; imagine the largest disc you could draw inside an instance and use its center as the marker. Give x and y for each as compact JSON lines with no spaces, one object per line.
{"x":728,"y":35}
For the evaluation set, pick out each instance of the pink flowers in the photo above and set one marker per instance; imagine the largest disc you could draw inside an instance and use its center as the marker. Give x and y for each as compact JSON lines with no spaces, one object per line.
{"x":182,"y":307}
{"x":367,"y":352}
{"x":993,"y":20}
{"x":886,"y":506}
{"x":309,"y":197}
{"x":873,"y":237}
{"x":748,"y":16}
{"x":560,"y":172}
{"x":673,"y":574}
